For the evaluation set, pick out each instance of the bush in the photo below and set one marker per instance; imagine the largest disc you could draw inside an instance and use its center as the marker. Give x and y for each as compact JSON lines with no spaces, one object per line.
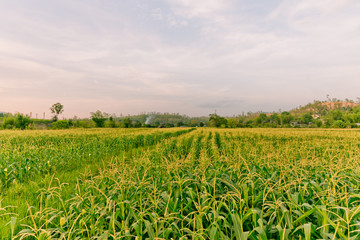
{"x":318,"y":123}
{"x":99,"y":118}
{"x":85,"y":124}
{"x":339,"y":124}
{"x":9,"y":123}
{"x":110,"y":123}
{"x":61,"y":124}
{"x":21,"y":121}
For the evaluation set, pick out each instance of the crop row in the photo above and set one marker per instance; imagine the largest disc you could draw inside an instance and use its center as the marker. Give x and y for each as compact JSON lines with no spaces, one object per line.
{"x":213,"y":184}
{"x":23,"y":157}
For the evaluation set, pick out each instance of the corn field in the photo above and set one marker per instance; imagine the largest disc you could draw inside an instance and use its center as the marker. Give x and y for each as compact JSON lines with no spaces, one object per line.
{"x":180,"y":184}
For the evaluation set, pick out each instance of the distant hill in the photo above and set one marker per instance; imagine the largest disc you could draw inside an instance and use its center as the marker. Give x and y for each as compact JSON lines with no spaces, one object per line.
{"x":335,"y":105}
{"x":323,"y":107}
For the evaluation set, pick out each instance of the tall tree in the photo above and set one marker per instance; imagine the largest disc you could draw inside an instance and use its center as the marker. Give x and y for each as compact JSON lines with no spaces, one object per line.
{"x":57,"y":109}
{"x":217,"y":121}
{"x":99,"y":118}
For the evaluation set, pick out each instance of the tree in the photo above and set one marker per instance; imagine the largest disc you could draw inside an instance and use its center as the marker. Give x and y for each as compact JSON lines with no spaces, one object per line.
{"x":9,"y":122}
{"x":231,"y":123}
{"x":137,"y":124}
{"x":261,"y":119}
{"x":57,"y":109}
{"x":217,"y":121}
{"x":336,"y":115}
{"x":286,"y":118}
{"x":306,"y":118}
{"x":180,"y":124}
{"x":110,"y":123}
{"x":275,"y":119}
{"x":99,"y":118}
{"x":127,"y":123}
{"x":22,"y":121}
{"x":318,"y":123}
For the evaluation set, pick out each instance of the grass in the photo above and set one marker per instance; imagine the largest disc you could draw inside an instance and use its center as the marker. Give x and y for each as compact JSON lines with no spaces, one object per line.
{"x":203,"y":184}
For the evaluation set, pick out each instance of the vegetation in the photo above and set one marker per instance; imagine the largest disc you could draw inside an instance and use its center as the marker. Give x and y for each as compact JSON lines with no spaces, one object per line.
{"x":99,"y":118}
{"x":332,"y":113}
{"x":163,"y":120}
{"x":180,"y":184}
{"x":57,"y":109}
{"x":62,"y":124}
{"x":217,"y":121}
{"x":325,"y":114}
{"x":15,"y":121}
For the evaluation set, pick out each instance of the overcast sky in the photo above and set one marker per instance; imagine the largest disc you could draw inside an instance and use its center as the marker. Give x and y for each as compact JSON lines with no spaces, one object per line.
{"x":186,"y":56}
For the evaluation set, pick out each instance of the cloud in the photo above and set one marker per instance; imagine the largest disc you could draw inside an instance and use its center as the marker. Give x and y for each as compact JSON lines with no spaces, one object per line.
{"x":199,"y":8}
{"x":222,"y":104}
{"x":201,"y":13}
{"x":157,"y":14}
{"x":318,"y":16}
{"x":324,"y":7}
{"x":176,"y":55}
{"x":303,"y":8}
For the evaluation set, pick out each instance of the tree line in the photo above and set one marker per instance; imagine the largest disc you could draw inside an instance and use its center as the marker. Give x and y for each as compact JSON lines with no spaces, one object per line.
{"x":325,"y":114}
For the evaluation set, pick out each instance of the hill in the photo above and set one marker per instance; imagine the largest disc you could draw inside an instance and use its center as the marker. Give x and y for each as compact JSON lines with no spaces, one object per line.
{"x":324,"y":107}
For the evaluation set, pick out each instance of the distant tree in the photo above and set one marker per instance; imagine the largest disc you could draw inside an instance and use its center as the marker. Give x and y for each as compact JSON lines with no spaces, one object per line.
{"x":275,"y":119}
{"x":137,"y":124}
{"x":286,"y":118}
{"x":99,"y":118}
{"x":261,"y":119}
{"x":57,"y":109}
{"x":169,"y":125}
{"x":193,"y":123}
{"x":179,"y":124}
{"x":110,"y":123}
{"x":307,"y":118}
{"x":336,"y":115}
{"x":127,"y":123}
{"x":318,"y":123}
{"x":339,"y":124}
{"x":9,"y":122}
{"x":22,"y":121}
{"x":231,"y":123}
{"x":249,"y":123}
{"x":156,"y":124}
{"x":217,"y":121}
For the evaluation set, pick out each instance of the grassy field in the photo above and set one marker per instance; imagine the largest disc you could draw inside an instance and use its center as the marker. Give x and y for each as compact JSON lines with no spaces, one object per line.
{"x":180,"y":184}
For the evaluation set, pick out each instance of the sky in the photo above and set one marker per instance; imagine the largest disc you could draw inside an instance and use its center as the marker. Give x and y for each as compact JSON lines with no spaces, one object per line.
{"x":178,"y":56}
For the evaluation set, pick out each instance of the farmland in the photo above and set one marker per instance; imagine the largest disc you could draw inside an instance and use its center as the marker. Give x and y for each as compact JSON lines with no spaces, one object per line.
{"x":180,"y":183}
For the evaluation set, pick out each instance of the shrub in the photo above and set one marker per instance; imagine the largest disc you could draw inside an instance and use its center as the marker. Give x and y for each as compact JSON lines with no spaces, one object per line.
{"x":22,"y":121}
{"x":61,"y":124}
{"x":339,"y":124}
{"x":110,"y":123}
{"x":9,"y":123}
